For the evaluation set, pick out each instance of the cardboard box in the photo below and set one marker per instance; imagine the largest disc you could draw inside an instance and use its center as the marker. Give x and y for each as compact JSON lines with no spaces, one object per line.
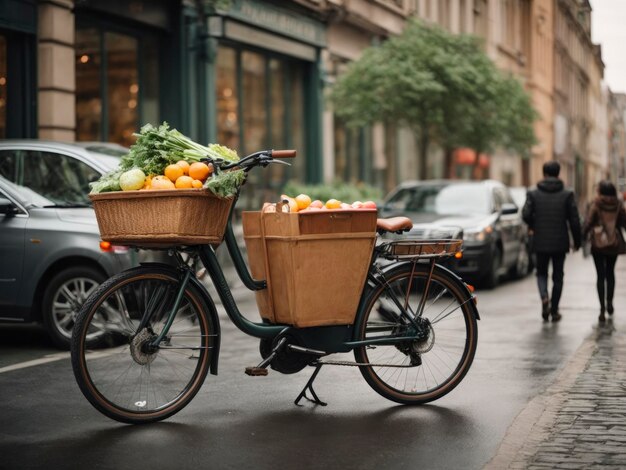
{"x":315,"y":263}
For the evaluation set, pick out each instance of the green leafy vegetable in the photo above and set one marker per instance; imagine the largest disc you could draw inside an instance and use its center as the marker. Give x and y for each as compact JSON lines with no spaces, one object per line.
{"x":225,"y":184}
{"x":158,"y":147}
{"x":108,"y":182}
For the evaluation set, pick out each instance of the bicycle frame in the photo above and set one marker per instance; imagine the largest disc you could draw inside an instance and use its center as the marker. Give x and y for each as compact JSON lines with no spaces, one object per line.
{"x":326,"y":339}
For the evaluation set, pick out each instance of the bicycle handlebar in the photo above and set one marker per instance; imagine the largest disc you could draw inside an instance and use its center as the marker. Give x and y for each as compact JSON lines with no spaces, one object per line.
{"x":283,"y":153}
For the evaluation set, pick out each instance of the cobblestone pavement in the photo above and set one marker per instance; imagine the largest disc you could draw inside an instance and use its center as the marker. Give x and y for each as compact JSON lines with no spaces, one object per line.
{"x":579,"y":422}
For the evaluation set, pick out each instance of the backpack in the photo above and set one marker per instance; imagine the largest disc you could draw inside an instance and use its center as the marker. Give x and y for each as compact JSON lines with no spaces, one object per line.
{"x":606,"y":236}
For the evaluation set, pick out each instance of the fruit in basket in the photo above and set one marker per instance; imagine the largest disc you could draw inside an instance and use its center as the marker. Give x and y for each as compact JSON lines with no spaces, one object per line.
{"x":173,"y":172}
{"x":357,"y":205}
{"x":148,"y":183}
{"x":199,"y":171}
{"x":162,"y":182}
{"x":196,"y":184}
{"x":317,"y":204}
{"x":333,"y":204}
{"x":184,"y":182}
{"x":369,"y":205}
{"x":184,"y":165}
{"x":303,"y":201}
{"x":132,"y":180}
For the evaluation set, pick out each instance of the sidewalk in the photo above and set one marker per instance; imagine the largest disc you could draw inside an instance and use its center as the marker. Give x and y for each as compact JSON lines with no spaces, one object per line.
{"x":580,"y":420}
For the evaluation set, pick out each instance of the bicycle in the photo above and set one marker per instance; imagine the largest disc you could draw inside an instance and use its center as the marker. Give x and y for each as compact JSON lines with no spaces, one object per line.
{"x":145,"y":340}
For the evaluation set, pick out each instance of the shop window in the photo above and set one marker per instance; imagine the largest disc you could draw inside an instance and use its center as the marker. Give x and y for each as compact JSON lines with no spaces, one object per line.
{"x":116,"y":84}
{"x":260,"y":104}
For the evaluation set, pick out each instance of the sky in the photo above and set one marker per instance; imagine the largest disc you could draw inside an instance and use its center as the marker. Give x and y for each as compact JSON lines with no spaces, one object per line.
{"x":608,"y":28}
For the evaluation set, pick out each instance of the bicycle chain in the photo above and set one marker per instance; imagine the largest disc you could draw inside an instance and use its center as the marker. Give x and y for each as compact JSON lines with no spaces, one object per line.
{"x":357,"y":364}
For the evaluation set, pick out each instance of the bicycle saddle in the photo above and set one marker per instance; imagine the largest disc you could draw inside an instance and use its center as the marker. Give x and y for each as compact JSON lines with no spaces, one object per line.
{"x":394,"y":224}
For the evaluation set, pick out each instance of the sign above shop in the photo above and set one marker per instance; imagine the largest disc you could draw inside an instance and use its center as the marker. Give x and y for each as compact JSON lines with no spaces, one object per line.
{"x":279,"y":20}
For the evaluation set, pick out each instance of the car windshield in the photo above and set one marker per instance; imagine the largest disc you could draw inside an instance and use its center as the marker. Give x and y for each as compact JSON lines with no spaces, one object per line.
{"x":27,"y":196}
{"x":448,"y":199}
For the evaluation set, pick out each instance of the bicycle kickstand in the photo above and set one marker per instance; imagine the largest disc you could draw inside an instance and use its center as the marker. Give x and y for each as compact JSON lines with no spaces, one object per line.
{"x":309,"y":386}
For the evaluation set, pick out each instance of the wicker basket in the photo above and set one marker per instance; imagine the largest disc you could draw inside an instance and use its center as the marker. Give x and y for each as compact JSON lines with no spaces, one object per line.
{"x":162,"y":217}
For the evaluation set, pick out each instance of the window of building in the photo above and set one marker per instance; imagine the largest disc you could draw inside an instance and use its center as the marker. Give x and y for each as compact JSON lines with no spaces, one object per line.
{"x":117,"y":83}
{"x":261,"y":104}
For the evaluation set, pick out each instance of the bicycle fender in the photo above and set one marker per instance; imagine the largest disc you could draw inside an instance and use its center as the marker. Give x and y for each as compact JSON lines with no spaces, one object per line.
{"x":455,"y":278}
{"x":211,"y":311}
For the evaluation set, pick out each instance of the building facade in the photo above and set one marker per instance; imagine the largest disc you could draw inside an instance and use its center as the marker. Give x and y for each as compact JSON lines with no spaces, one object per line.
{"x":578,"y":98}
{"x":255,"y":76}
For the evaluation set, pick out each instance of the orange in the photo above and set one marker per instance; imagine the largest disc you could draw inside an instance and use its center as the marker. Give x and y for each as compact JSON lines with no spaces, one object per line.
{"x":333,"y":204}
{"x":148,"y":183}
{"x":184,"y":165}
{"x":196,"y":184}
{"x":303,"y":201}
{"x":199,"y":171}
{"x":173,"y":172}
{"x":184,"y":182}
{"x":162,"y":182}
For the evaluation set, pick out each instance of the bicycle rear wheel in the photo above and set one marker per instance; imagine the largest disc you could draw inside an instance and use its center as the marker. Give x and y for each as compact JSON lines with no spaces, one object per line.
{"x":426,"y":368}
{"x":114,"y":365}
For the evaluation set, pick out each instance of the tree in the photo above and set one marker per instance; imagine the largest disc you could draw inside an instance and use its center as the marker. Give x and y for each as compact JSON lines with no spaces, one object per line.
{"x":440,"y":85}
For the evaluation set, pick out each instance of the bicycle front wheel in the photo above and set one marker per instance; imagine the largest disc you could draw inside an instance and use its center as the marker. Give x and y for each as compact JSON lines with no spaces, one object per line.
{"x":442,"y":346}
{"x":116,"y":367}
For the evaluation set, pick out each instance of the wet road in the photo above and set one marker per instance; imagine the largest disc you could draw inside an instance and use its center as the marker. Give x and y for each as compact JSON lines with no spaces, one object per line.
{"x":237,"y":421}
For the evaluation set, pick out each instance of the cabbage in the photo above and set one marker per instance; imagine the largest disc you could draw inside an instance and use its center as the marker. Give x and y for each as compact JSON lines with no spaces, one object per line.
{"x":132,"y":179}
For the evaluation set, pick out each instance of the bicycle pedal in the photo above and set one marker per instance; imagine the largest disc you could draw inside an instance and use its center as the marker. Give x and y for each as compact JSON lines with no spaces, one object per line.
{"x":256,"y":371}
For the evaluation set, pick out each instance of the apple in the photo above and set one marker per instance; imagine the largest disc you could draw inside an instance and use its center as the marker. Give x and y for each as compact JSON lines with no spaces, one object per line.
{"x":357,"y":205}
{"x":345,"y":205}
{"x":317,"y":203}
{"x":369,"y":205}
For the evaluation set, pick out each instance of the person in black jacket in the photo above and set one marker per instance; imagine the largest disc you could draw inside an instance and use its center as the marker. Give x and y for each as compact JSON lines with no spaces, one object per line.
{"x":548,"y":211}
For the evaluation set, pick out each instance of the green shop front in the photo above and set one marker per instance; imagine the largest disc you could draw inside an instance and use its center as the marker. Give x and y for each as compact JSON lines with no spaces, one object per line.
{"x":264,"y":68}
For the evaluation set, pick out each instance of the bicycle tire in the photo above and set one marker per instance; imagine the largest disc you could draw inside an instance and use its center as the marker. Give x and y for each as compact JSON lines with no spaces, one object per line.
{"x":411,"y":382}
{"x":114,"y":369}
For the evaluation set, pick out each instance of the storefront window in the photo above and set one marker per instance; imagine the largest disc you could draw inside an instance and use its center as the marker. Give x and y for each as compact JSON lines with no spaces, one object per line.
{"x":227,"y":102}
{"x":117,"y":84}
{"x":88,"y":99}
{"x":260,"y":104}
{"x":254,"y":102}
{"x":122,"y":87}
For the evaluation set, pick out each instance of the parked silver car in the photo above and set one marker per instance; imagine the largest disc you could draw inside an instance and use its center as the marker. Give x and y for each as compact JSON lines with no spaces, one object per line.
{"x":51,"y":256}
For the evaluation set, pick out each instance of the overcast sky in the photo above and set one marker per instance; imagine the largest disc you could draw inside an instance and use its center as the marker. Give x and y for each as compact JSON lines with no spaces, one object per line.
{"x":608,"y":27}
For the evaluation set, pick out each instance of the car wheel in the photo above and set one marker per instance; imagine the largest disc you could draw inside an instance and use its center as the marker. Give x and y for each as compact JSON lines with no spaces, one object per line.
{"x":62,"y":299}
{"x":493,"y":277}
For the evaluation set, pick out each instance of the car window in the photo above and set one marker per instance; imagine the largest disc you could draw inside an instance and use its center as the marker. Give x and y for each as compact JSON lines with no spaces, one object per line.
{"x":57,"y":177}
{"x":445,"y":200}
{"x":8,"y":165}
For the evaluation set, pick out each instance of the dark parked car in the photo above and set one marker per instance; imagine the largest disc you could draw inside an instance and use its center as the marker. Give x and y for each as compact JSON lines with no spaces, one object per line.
{"x":493,"y":233}
{"x":50,"y":250}
{"x":519,"y":194}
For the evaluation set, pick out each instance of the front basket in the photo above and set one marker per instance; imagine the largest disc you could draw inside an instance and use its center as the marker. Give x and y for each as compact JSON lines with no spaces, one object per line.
{"x":161,"y":218}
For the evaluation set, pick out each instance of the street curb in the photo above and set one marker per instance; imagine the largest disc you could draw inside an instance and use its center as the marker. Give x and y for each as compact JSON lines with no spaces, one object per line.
{"x":533,"y":425}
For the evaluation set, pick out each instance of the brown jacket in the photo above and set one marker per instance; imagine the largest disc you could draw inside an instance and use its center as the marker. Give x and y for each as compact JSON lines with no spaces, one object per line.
{"x":608,"y":211}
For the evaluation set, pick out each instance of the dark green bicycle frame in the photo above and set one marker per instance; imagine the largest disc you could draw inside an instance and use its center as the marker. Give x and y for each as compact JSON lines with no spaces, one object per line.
{"x":330,"y":339}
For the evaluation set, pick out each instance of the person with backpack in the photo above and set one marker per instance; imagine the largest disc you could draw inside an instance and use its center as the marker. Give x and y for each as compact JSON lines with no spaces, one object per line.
{"x":550,"y":212}
{"x":604,"y":223}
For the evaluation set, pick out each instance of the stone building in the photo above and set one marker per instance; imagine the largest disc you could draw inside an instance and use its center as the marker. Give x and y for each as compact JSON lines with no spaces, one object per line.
{"x":578,"y":71}
{"x":254,"y":76}
{"x":616,"y":169}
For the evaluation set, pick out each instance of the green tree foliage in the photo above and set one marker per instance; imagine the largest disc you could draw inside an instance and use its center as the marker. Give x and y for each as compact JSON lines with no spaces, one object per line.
{"x":440,"y":85}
